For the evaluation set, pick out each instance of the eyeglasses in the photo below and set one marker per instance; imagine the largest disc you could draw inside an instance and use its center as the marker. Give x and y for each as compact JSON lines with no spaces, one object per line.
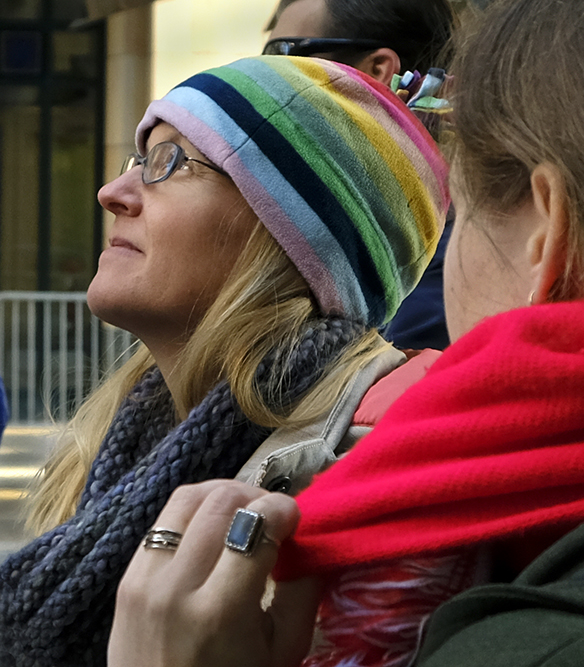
{"x":162,"y":161}
{"x":306,"y":46}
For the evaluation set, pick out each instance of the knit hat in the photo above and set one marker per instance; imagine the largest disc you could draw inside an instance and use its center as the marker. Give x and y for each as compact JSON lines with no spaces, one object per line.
{"x":333,"y":163}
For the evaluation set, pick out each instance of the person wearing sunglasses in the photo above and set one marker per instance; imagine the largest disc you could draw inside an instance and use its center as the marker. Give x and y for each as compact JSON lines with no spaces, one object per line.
{"x":254,"y":256}
{"x":378,"y":37}
{"x":381,"y":38}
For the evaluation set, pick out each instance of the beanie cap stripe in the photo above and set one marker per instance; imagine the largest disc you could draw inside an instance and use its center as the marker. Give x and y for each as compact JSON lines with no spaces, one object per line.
{"x":408,"y":122}
{"x":309,"y":239}
{"x":404,"y":203}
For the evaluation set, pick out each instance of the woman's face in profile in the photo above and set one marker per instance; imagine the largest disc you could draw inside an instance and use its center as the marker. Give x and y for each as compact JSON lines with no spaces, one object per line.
{"x":171,"y":246}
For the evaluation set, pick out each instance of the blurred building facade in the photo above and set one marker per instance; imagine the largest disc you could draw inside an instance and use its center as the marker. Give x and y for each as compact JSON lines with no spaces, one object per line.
{"x":75,"y":78}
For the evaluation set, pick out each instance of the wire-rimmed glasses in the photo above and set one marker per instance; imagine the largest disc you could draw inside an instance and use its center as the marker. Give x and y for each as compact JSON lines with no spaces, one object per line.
{"x":162,"y":161}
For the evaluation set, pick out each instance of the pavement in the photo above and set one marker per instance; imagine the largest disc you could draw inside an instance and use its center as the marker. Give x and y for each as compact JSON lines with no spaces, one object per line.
{"x":23,"y":451}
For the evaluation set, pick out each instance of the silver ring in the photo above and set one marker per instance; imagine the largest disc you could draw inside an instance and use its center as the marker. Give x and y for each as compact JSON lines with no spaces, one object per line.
{"x":162,"y":538}
{"x":247,"y":531}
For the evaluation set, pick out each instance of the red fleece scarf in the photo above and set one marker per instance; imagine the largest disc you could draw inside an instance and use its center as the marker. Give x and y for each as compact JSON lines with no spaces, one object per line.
{"x":489,"y":444}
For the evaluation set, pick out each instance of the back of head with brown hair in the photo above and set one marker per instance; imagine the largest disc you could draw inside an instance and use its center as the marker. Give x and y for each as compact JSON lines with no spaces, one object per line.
{"x":518,"y":103}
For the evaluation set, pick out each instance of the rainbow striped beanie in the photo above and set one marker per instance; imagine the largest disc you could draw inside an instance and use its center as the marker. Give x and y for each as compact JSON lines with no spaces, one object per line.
{"x":336,"y":167}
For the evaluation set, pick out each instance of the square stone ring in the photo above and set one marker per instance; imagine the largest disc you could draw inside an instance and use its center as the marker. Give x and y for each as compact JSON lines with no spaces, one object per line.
{"x":247,"y":531}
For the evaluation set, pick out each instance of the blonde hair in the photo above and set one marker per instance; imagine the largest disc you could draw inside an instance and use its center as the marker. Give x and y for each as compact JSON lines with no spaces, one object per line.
{"x":517,"y":104}
{"x":264,"y":304}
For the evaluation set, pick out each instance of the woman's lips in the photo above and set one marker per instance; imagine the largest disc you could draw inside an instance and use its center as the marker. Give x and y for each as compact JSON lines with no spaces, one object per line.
{"x":123,"y":244}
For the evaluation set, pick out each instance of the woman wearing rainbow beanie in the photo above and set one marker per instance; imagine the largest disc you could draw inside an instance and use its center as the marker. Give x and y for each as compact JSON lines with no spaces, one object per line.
{"x":276,"y":214}
{"x":483,"y":457}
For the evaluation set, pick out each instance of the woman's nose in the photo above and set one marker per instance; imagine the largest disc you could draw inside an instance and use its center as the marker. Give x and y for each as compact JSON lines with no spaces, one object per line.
{"x":123,"y":195}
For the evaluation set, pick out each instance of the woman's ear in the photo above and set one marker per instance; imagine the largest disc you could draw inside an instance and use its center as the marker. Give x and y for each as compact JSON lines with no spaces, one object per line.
{"x":382,"y":64}
{"x":548,"y":243}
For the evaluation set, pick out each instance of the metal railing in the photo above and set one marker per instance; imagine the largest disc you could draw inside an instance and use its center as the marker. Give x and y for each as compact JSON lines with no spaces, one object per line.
{"x":53,"y":352}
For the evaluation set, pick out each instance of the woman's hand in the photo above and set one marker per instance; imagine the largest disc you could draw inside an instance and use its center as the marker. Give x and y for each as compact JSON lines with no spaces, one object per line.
{"x":200,"y":605}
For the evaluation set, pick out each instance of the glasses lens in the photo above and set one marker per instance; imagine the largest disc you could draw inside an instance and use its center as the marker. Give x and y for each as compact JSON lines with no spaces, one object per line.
{"x":131,"y":161}
{"x":278,"y":47}
{"x":161,"y":162}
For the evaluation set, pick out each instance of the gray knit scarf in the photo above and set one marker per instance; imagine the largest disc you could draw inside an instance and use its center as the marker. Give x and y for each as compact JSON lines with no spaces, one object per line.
{"x":57,"y":594}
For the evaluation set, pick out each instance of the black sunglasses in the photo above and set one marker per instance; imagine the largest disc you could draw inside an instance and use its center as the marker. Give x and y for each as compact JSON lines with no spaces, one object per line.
{"x":307,"y":46}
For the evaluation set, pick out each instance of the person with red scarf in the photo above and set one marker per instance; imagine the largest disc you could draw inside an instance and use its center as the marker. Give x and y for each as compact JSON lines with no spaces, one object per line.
{"x":475,"y":469}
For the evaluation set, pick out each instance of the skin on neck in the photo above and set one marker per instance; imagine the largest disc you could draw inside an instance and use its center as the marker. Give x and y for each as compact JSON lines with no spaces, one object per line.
{"x":166,"y":355}
{"x":496,"y":262}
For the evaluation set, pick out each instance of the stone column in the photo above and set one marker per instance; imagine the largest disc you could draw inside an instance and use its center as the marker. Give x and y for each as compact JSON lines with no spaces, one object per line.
{"x":128,"y":90}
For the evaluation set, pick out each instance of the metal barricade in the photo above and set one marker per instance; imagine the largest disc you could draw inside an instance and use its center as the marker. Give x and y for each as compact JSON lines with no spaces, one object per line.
{"x":53,"y":352}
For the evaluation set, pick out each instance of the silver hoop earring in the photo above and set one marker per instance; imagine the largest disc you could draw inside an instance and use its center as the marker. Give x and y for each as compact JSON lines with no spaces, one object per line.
{"x":531,"y":295}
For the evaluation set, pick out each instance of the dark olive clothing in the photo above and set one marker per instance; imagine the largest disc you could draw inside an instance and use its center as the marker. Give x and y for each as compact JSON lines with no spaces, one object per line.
{"x":536,"y":621}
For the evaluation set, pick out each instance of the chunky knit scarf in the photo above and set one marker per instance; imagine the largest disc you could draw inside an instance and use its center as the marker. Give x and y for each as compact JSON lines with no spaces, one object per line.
{"x":489,"y":445}
{"x":57,"y":594}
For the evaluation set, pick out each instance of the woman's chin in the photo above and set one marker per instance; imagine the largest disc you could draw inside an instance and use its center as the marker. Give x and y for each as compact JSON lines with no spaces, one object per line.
{"x":103,"y":303}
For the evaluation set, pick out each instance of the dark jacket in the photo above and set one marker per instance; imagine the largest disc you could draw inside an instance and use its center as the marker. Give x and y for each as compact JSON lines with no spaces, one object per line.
{"x":536,"y":621}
